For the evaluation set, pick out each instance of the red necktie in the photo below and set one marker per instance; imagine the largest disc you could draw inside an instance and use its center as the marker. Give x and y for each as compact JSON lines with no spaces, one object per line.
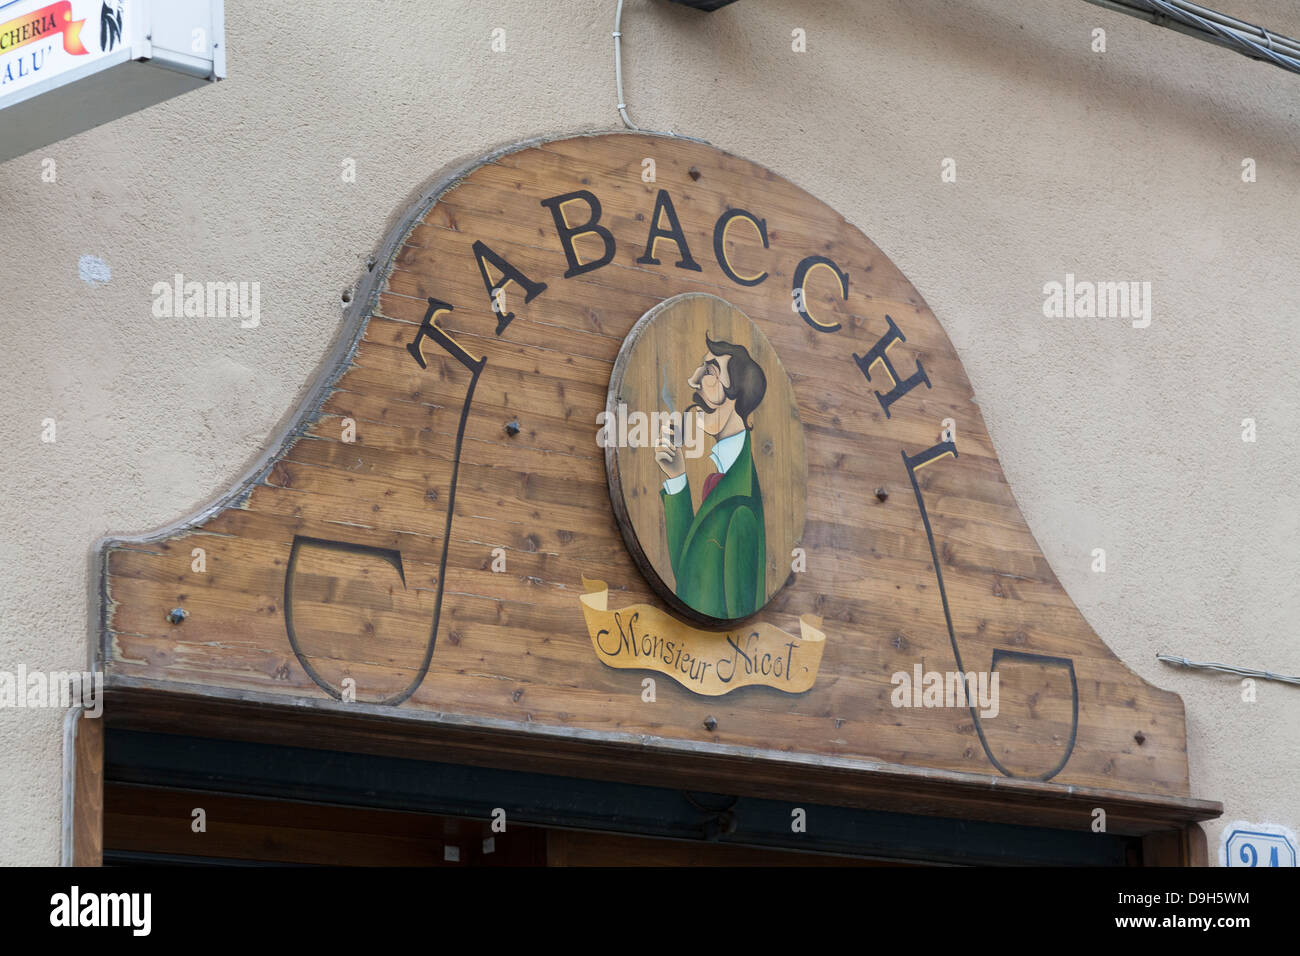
{"x":710,"y":483}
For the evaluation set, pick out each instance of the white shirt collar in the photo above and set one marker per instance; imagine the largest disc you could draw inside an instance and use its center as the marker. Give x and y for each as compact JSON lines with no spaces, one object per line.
{"x":726,"y":451}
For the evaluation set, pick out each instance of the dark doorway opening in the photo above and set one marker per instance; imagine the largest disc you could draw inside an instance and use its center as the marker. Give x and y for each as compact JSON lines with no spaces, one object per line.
{"x":261,"y":803}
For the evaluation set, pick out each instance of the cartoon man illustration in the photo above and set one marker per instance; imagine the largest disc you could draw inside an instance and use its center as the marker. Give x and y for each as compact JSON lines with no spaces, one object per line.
{"x":719,"y":553}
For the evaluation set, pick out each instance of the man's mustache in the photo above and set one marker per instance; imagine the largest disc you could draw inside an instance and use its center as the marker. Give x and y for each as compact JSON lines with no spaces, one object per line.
{"x":700,"y":402}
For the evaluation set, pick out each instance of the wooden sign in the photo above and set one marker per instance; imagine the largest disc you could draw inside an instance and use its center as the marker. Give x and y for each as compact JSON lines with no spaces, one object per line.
{"x":716,"y":546}
{"x":805,"y":546}
{"x":695,"y":371}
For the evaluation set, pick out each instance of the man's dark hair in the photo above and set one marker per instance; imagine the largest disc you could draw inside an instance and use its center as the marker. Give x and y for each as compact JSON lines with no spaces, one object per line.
{"x":748,"y":383}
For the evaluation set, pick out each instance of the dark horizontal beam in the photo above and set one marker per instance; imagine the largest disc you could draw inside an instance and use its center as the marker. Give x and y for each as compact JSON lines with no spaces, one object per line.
{"x":708,"y":6}
{"x":531,"y":799}
{"x":132,"y":704}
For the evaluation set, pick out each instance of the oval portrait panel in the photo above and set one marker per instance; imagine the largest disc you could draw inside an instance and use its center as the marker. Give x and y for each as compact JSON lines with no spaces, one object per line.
{"x":705,"y":456}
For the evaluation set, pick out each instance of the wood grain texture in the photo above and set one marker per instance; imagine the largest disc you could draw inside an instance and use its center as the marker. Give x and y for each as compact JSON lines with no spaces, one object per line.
{"x":88,"y":792}
{"x":943,"y":572}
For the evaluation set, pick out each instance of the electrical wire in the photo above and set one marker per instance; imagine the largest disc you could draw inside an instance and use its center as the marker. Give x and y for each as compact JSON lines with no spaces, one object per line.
{"x":1214,"y":27}
{"x":618,"y":83}
{"x":618,"y":66}
{"x":1180,"y":13}
{"x":1228,"y":669}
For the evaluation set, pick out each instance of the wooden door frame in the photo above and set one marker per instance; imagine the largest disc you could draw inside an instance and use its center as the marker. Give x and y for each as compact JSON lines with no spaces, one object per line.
{"x":82,"y":842}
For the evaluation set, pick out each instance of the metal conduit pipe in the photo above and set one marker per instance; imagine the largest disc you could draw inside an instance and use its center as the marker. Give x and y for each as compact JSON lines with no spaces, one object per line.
{"x":618,"y":65}
{"x":1250,"y":40}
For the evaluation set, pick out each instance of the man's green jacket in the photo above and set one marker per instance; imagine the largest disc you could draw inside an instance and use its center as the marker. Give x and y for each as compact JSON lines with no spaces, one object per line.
{"x":719,"y":554}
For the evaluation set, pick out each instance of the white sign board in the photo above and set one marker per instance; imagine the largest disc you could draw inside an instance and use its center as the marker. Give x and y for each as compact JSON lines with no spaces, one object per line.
{"x":40,"y":39}
{"x":70,"y":65}
{"x":1257,"y":844}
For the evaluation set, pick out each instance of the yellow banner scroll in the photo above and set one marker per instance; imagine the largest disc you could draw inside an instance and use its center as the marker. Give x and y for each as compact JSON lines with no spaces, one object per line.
{"x":711,"y":663}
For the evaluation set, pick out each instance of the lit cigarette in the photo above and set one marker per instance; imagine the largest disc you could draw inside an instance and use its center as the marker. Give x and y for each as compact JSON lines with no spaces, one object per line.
{"x":666,"y":394}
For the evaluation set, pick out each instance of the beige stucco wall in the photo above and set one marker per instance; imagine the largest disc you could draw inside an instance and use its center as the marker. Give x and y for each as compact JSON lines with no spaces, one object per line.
{"x":1123,"y":165}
